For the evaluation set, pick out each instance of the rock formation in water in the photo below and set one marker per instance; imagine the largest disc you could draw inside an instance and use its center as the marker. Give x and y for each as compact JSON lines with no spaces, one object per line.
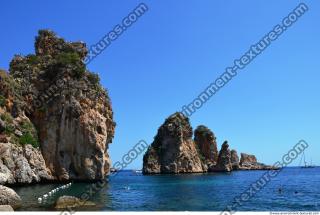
{"x":207,"y":146}
{"x":224,"y":160}
{"x":173,"y":150}
{"x":56,"y":119}
{"x":249,"y":162}
{"x":235,"y":160}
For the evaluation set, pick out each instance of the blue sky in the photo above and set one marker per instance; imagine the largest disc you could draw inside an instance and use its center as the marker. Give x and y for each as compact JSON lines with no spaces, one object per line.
{"x":175,"y":50}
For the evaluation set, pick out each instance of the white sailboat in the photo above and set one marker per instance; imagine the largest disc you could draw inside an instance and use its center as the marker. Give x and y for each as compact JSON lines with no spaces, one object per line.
{"x":306,"y":165}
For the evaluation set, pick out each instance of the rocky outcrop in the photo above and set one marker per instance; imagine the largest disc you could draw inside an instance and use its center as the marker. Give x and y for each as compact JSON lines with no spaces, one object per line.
{"x":247,"y":159}
{"x":224,"y":160}
{"x":207,"y":146}
{"x":249,"y":162}
{"x":68,"y":114}
{"x":22,"y":164}
{"x":235,"y":160}
{"x":9,"y":197}
{"x":173,"y":150}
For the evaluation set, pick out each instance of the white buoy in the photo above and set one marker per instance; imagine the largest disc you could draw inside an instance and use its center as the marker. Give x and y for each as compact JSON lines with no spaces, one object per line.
{"x":45,"y":196}
{"x":39,"y":199}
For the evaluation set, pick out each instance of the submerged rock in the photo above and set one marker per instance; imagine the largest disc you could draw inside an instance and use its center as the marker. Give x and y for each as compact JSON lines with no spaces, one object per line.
{"x":9,"y":197}
{"x":173,"y":150}
{"x":65,"y":202}
{"x":6,"y":208}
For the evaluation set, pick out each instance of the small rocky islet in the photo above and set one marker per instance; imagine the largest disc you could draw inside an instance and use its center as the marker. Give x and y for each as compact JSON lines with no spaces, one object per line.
{"x":175,"y":152}
{"x":56,"y":123}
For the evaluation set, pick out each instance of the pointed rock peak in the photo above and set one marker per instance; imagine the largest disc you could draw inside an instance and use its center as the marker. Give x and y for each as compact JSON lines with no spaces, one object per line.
{"x":225,"y":145}
{"x":176,"y":124}
{"x":206,"y":142}
{"x":205,"y":132}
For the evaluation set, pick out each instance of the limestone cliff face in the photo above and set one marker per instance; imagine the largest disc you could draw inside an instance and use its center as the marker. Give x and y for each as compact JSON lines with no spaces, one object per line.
{"x":21,"y":160}
{"x":173,"y":150}
{"x":70,"y":110}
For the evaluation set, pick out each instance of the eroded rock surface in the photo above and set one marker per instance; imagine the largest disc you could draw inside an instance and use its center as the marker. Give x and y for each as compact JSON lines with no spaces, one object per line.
{"x":173,"y":150}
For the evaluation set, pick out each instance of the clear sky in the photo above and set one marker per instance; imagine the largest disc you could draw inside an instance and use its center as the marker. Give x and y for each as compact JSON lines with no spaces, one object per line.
{"x":175,"y":50}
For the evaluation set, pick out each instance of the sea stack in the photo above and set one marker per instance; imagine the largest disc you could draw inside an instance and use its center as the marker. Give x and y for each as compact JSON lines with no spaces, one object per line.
{"x":55,"y":116}
{"x":224,"y":160}
{"x":173,"y":150}
{"x":206,"y":144}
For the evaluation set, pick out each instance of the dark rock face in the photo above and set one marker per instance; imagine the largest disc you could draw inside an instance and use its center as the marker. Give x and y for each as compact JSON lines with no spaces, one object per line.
{"x":206,"y":143}
{"x":70,"y":111}
{"x":235,"y":160}
{"x":173,"y":150}
{"x":224,"y":161}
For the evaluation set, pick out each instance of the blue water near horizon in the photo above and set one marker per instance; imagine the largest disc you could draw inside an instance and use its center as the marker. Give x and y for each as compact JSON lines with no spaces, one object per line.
{"x":129,"y":191}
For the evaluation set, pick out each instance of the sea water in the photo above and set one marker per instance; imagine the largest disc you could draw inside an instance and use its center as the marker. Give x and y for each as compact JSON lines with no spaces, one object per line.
{"x":293,"y":189}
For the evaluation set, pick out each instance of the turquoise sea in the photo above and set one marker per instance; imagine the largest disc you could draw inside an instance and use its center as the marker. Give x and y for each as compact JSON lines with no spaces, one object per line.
{"x":129,"y":191}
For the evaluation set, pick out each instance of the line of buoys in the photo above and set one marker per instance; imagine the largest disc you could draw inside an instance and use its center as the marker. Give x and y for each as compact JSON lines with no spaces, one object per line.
{"x":52,"y":192}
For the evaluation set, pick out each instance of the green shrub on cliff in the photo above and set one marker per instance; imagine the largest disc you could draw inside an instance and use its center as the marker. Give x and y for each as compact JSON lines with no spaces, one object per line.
{"x":27,"y":138}
{"x":9,"y":129}
{"x":93,"y":78}
{"x":72,"y":59}
{"x":32,"y":59}
{"x":6,"y":117}
{"x":2,"y":101}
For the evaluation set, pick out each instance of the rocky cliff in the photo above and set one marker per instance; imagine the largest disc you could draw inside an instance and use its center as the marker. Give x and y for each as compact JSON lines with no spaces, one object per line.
{"x":56,"y":119}
{"x":174,"y":151}
{"x":206,"y":144}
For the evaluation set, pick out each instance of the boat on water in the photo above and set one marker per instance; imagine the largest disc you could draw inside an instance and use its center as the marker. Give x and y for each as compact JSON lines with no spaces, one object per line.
{"x":306,"y":165}
{"x":137,"y":171}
